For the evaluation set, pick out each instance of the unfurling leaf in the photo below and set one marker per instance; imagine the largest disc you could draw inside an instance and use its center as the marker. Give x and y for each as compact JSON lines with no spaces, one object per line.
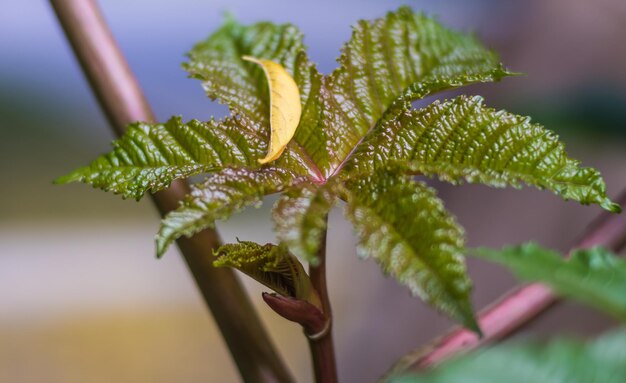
{"x":285,"y":108}
{"x":270,"y":265}
{"x":593,"y":276}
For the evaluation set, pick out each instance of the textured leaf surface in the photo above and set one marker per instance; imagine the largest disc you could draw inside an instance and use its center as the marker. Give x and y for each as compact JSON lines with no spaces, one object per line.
{"x":593,"y":276}
{"x":391,"y":60}
{"x":270,"y":265}
{"x":358,"y":119}
{"x":406,"y":229}
{"x":241,"y":85}
{"x":300,"y":219}
{"x":217,"y":198}
{"x":603,"y":360}
{"x":285,"y":109}
{"x":461,"y":139}
{"x":150,"y":156}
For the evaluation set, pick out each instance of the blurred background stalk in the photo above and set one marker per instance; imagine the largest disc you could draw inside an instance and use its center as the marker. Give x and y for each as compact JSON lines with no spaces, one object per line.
{"x":83,"y":299}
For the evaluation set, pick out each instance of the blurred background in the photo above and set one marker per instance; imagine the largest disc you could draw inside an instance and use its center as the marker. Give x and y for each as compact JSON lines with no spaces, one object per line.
{"x":82,"y":297}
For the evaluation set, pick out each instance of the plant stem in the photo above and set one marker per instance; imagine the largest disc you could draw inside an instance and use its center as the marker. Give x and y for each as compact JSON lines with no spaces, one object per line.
{"x":321,"y":345}
{"x":521,"y":305}
{"x":123,"y":102}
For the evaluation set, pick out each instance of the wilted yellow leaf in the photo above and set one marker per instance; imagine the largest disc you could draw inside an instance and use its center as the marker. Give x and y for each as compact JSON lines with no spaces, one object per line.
{"x":285,"y":108}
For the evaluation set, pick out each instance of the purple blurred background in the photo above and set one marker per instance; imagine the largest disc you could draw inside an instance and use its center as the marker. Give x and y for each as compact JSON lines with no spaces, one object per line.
{"x":82,"y":297}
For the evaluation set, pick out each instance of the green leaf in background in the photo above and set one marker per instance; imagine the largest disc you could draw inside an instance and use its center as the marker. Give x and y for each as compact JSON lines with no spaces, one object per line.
{"x":406,"y":229}
{"x":594,"y":276}
{"x":561,"y":361}
{"x":270,"y":265}
{"x":461,"y":139}
{"x":150,"y":156}
{"x":391,"y":61}
{"x":218,"y":197}
{"x":300,"y":217}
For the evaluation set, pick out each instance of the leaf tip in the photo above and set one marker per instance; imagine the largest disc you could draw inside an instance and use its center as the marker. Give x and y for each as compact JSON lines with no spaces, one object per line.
{"x":252,"y":59}
{"x":475,"y":327}
{"x":516,"y":74}
{"x":229,"y":17}
{"x":66,"y":179}
{"x":468,"y":319}
{"x":508,"y":73}
{"x":271,"y":156}
{"x":162,"y":245}
{"x":611,"y":206}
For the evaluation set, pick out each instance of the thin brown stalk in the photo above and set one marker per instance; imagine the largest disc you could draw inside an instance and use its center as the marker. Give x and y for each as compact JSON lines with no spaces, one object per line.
{"x":521,"y":305}
{"x":321,"y":344}
{"x":122,"y":101}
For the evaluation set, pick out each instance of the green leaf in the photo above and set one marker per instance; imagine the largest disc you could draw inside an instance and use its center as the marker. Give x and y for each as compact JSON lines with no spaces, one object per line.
{"x":217,"y":62}
{"x":595,"y":276}
{"x":560,"y":361}
{"x":393,"y":60}
{"x":270,"y":265}
{"x":406,"y":229}
{"x":218,"y":197}
{"x":150,"y":156}
{"x":241,"y":85}
{"x":358,"y":119}
{"x":461,"y":139}
{"x":300,"y":219}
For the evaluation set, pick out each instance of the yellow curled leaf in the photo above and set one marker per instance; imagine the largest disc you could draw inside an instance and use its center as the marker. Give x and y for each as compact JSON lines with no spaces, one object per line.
{"x":285,"y":108}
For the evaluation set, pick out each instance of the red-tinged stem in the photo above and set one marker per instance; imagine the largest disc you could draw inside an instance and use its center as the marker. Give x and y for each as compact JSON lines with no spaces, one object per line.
{"x":123,"y":102}
{"x":523,"y":304}
{"x":316,"y":322}
{"x":321,"y":344}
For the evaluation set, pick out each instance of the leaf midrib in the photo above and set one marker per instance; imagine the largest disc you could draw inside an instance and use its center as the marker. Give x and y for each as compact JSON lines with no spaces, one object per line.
{"x":406,"y":244}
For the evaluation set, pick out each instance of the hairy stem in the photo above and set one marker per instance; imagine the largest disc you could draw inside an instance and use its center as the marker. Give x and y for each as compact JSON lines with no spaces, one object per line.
{"x":321,"y":343}
{"x":123,"y":102}
{"x":521,"y":305}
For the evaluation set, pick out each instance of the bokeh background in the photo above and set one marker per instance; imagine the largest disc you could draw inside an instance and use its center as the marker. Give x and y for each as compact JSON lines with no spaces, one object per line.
{"x":82,"y":297}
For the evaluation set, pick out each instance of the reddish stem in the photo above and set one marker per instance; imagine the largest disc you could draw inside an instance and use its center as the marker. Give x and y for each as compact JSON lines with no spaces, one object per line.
{"x":321,"y":344}
{"x":524,"y":303}
{"x":317,"y":323}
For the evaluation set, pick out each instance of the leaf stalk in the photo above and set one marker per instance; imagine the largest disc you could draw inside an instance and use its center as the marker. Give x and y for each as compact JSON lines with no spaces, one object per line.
{"x":321,"y":342}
